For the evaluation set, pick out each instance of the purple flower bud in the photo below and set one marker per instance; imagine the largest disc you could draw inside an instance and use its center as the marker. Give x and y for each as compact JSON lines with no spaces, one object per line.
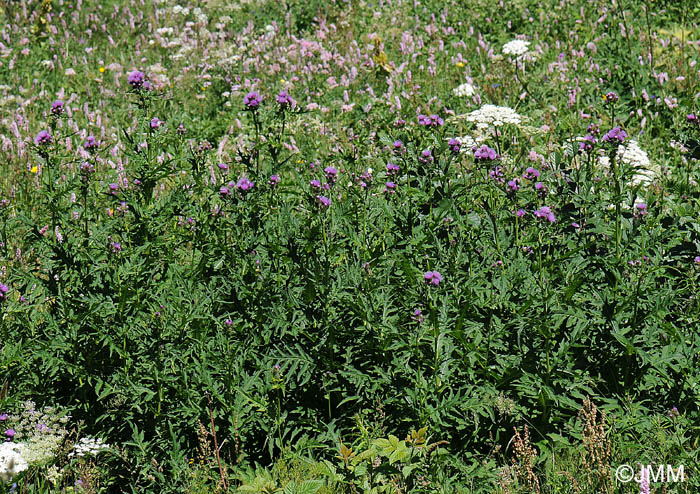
{"x":223,"y":167}
{"x":43,"y":138}
{"x":90,"y":143}
{"x":588,"y":142}
{"x":244,"y":185}
{"x":531,"y":173}
{"x":331,"y":173}
{"x":545,"y":212}
{"x":425,"y":156}
{"x":454,"y":145}
{"x":616,"y":135}
{"x":57,"y":108}
{"x":274,"y":180}
{"x":10,"y":433}
{"x":432,"y":278}
{"x":392,"y":169}
{"x":252,"y":100}
{"x":285,"y":100}
{"x":485,"y":153}
{"x":136,"y":79}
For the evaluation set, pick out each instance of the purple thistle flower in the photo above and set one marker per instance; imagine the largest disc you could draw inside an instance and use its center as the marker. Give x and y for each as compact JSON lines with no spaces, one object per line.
{"x":496,"y":174}
{"x":316,"y":184}
{"x":244,"y":185}
{"x":520,"y":213}
{"x":531,"y":173}
{"x":390,"y":188}
{"x":454,"y":145}
{"x":43,"y":138}
{"x":285,"y":100}
{"x":181,"y":130}
{"x":113,"y":188}
{"x":593,"y":129}
{"x":512,"y":186}
{"x":541,"y":189}
{"x":545,"y":212}
{"x":641,"y":210}
{"x":615,"y":135}
{"x":425,"y":156}
{"x":323,"y":201}
{"x":224,"y":191}
{"x":392,"y":169}
{"x":155,"y":123}
{"x":274,"y":180}
{"x":57,"y":108}
{"x":398,"y":147}
{"x":690,"y":117}
{"x":115,"y":246}
{"x":432,"y":278}
{"x":436,"y":121}
{"x":485,"y":153}
{"x":587,"y":144}
{"x":3,"y":416}
{"x":418,"y":316}
{"x":137,"y":79}
{"x":252,"y":100}
{"x":223,"y":167}
{"x":697,"y":259}
{"x":331,"y":173}
{"x":91,"y":143}
{"x":9,"y":434}
{"x":3,"y":294}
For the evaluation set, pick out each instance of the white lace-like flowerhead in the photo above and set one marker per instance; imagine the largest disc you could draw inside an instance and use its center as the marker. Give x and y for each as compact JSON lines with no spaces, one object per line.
{"x":517,"y":47}
{"x":494,"y":116}
{"x":465,"y":90}
{"x":633,"y":155}
{"x":12,"y":461}
{"x":88,"y":446}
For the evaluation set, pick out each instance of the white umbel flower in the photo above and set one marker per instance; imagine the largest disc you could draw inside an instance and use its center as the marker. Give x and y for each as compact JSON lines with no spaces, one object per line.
{"x":632,"y":155}
{"x":465,"y":90}
{"x":11,"y":460}
{"x":494,"y":116}
{"x":88,"y":446}
{"x":517,"y":47}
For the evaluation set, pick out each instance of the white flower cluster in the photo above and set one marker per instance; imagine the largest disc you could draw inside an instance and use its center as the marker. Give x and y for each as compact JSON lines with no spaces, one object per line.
{"x":89,"y":446}
{"x":493,"y":116}
{"x":11,"y":461}
{"x":517,"y":47}
{"x":465,"y":90}
{"x":633,"y":155}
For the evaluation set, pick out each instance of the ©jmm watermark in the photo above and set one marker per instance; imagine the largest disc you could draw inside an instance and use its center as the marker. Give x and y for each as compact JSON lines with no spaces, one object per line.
{"x":650,"y":473}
